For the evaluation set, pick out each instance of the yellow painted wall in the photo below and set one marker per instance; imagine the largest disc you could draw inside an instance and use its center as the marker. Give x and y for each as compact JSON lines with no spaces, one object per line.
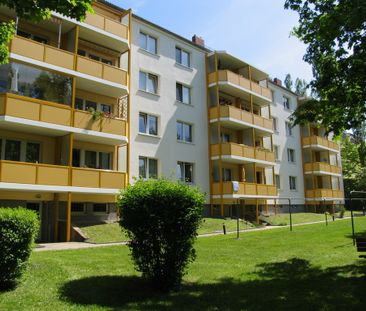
{"x":26,"y":196}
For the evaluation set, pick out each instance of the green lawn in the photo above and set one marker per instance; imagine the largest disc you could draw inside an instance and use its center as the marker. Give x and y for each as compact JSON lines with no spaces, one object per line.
{"x":312,"y":268}
{"x":297,"y":218}
{"x":106,"y":233}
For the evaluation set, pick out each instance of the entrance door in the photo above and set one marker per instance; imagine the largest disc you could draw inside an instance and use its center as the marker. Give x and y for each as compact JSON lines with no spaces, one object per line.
{"x":36,"y":207}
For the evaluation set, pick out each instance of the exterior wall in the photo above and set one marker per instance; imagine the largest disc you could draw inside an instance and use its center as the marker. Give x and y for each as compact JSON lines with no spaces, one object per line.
{"x":283,"y":167}
{"x":165,"y":148}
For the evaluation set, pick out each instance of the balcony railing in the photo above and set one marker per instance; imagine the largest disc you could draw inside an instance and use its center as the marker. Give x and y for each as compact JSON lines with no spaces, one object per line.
{"x":324,"y":194}
{"x":238,"y":150}
{"x":320,"y":141}
{"x":43,"y":111}
{"x":240,"y":81}
{"x":241,"y":116}
{"x":322,"y":167}
{"x":247,"y":189}
{"x":107,"y":24}
{"x":54,"y":175}
{"x":58,"y":57}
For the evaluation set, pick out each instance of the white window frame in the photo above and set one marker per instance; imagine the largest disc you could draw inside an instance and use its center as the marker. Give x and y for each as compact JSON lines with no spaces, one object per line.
{"x":183,"y":132}
{"x":288,"y":129}
{"x":147,"y":167}
{"x":82,"y":159}
{"x":291,"y":156}
{"x":278,"y":181}
{"x":147,"y":76}
{"x":183,"y":174}
{"x":294,"y":179}
{"x":23,"y":149}
{"x":182,"y":89}
{"x":180,"y":61}
{"x":275,"y":124}
{"x":147,"y":43}
{"x":102,"y":59}
{"x":276,"y":150}
{"x":286,"y":102}
{"x":147,"y":120}
{"x":101,"y":213}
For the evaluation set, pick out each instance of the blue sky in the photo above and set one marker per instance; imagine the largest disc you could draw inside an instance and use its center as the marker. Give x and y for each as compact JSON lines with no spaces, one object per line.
{"x":257,"y":31}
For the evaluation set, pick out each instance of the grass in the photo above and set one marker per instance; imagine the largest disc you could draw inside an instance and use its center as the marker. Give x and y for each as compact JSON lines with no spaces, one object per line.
{"x":312,"y":268}
{"x":107,"y":233}
{"x":297,"y":218}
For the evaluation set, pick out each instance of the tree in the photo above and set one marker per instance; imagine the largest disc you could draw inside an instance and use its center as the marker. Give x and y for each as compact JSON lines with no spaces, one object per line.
{"x":161,"y":219}
{"x":288,"y":82}
{"x":335,"y":34}
{"x":36,"y":11}
{"x":301,"y":87}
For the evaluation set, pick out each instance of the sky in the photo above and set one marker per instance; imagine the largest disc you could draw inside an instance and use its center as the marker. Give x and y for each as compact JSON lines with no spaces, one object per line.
{"x":257,"y":31}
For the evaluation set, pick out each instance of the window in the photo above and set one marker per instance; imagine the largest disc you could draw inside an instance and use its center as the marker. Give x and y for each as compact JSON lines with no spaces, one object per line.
{"x":91,"y":159}
{"x":292,"y":182}
{"x":87,"y":105}
{"x":148,"y":82}
{"x":78,"y":208}
{"x":184,"y":132}
{"x":148,"y":124}
{"x":277,"y":152}
{"x":185,"y":172}
{"x":35,"y":83}
{"x":100,"y":208}
{"x":148,"y":43}
{"x":288,"y":129}
{"x":34,"y":37}
{"x":286,"y":102}
{"x":291,"y":155}
{"x":95,"y":57}
{"x":182,"y":57}
{"x":17,"y":150}
{"x":226,"y":174}
{"x":183,"y":94}
{"x":148,"y":168}
{"x":275,"y":124}
{"x":225,"y":137}
{"x":278,"y":181}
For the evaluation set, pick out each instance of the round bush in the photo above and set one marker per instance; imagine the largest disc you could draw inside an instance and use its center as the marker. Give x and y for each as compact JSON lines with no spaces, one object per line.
{"x":161,"y":219}
{"x":18,"y":229}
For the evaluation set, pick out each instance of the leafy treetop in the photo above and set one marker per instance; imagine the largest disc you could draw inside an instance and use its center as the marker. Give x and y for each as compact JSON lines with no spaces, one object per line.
{"x":335,"y":32}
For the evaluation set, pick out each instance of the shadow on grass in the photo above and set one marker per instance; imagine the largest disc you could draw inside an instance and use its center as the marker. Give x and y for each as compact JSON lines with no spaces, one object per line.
{"x":290,"y":285}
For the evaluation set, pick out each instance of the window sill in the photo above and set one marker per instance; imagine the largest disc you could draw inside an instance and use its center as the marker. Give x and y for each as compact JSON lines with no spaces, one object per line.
{"x":150,"y":135}
{"x":149,"y":93}
{"x":148,"y":53}
{"x":181,"y":103}
{"x":183,"y":67}
{"x":185,"y":142}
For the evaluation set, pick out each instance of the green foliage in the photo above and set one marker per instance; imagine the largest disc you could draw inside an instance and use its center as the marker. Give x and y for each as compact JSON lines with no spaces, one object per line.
{"x":288,"y":82}
{"x":36,"y":11}
{"x":301,"y":87}
{"x":7,"y":31}
{"x":18,"y":229}
{"x":161,"y":219}
{"x":335,"y":34}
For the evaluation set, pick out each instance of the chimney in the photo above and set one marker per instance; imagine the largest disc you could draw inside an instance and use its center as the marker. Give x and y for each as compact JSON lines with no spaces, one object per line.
{"x":198,"y":40}
{"x":277,"y":81}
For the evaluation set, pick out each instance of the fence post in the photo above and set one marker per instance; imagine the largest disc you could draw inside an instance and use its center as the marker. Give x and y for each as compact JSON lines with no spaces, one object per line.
{"x":353,"y":224}
{"x":326,"y":218}
{"x":237,"y":220}
{"x":289,"y":209}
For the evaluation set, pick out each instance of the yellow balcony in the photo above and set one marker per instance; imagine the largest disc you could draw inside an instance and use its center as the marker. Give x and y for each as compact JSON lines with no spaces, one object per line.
{"x":42,"y":52}
{"x":43,"y":111}
{"x":319,"y":143}
{"x":321,"y":167}
{"x":239,"y":81}
{"x":107,"y":24}
{"x":240,"y":116}
{"x":54,"y":175}
{"x":101,"y":70}
{"x":247,"y":153}
{"x":324,"y":194}
{"x":245,"y":189}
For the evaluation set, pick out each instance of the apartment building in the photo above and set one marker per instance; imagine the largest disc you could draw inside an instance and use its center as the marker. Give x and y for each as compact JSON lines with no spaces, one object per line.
{"x":64,"y":117}
{"x":88,"y":107}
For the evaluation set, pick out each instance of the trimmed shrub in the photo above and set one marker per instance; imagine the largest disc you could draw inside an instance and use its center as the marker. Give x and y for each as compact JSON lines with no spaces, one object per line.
{"x":161,"y":219}
{"x":18,"y":229}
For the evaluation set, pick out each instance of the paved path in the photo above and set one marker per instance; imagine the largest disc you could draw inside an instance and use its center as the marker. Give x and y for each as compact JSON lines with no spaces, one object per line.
{"x":80,"y":245}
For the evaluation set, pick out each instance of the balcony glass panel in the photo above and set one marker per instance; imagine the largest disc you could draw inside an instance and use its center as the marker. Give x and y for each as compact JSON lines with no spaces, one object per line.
{"x":36,"y":83}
